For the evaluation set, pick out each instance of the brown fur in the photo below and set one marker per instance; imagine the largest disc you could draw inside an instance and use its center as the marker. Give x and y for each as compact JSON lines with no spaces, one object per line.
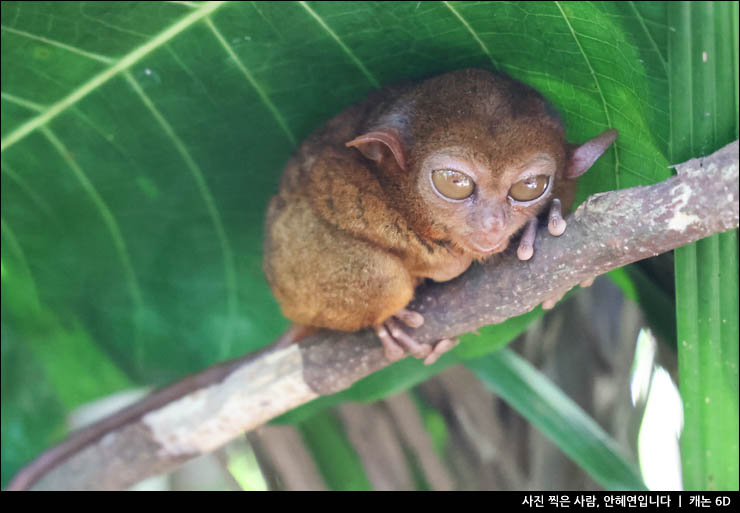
{"x":351,"y":233}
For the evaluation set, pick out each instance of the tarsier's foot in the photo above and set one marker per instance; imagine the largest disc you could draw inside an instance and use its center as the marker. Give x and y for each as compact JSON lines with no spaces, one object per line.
{"x":550,"y":302}
{"x":555,"y":225}
{"x":398,"y":343}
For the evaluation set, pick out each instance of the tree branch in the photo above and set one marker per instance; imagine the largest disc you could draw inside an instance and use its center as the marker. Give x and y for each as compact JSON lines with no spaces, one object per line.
{"x":201,"y":413}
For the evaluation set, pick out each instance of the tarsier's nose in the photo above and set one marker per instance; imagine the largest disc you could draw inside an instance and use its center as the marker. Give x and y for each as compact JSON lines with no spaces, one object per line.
{"x":491,"y":231}
{"x":493,"y":223}
{"x":493,"y":219}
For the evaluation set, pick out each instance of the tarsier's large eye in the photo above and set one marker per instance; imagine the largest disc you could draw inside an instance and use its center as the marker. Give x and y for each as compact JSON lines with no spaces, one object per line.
{"x":452,"y":184}
{"x":530,"y":188}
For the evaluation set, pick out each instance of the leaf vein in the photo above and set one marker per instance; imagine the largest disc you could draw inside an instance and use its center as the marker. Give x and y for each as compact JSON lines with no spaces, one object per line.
{"x":371,"y":78}
{"x":26,"y":104}
{"x":15,"y":246}
{"x":208,"y":199}
{"x":108,"y":218}
{"x":256,"y":85}
{"x":119,"y":66}
{"x":598,"y":88}
{"x":473,"y":33}
{"x":191,"y":5}
{"x":58,"y":44}
{"x":649,"y":36}
{"x":30,"y":192}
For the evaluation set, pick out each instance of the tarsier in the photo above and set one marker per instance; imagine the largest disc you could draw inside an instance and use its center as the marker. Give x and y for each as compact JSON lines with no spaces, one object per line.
{"x":416,"y":182}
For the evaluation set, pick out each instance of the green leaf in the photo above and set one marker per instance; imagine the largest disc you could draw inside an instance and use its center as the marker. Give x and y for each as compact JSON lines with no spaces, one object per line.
{"x":641,"y":286}
{"x":336,"y":458}
{"x":141,"y":142}
{"x":704,"y":114}
{"x":558,"y":418}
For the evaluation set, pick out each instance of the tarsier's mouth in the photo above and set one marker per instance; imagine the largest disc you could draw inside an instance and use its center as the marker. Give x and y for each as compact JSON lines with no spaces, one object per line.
{"x":490,"y":249}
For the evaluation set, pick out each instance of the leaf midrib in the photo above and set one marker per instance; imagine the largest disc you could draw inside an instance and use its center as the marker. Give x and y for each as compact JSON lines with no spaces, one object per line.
{"x":119,"y":66}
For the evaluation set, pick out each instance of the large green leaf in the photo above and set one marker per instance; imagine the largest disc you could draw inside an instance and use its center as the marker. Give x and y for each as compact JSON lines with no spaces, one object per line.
{"x":337,"y":460}
{"x":704,"y":99}
{"x":141,"y":142}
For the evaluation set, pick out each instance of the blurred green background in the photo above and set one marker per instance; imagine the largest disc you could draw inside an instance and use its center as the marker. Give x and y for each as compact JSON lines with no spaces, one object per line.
{"x":142,"y":141}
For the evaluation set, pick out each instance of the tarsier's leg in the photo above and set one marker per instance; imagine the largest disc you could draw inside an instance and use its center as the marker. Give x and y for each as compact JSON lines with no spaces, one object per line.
{"x":397,"y":342}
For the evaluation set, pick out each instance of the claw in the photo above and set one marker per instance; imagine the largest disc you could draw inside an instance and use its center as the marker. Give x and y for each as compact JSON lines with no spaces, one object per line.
{"x":410,"y":318}
{"x":440,"y":348}
{"x":550,"y":302}
{"x":393,"y":351}
{"x":588,"y":282}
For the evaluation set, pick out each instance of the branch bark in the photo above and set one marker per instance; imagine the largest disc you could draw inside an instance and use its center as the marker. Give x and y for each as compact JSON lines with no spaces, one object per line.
{"x":201,"y":413}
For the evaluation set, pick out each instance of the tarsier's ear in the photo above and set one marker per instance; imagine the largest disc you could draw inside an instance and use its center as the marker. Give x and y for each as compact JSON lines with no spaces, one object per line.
{"x":379,"y":144}
{"x":583,"y":157}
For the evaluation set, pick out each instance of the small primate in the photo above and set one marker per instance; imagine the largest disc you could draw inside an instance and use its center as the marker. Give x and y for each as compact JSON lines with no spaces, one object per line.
{"x":416,"y":182}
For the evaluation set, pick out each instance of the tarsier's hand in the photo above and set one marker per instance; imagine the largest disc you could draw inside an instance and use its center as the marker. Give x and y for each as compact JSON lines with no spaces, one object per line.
{"x":555,"y":225}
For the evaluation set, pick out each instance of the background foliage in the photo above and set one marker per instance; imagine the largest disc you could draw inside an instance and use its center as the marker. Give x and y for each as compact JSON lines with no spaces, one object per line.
{"x":142,"y":141}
